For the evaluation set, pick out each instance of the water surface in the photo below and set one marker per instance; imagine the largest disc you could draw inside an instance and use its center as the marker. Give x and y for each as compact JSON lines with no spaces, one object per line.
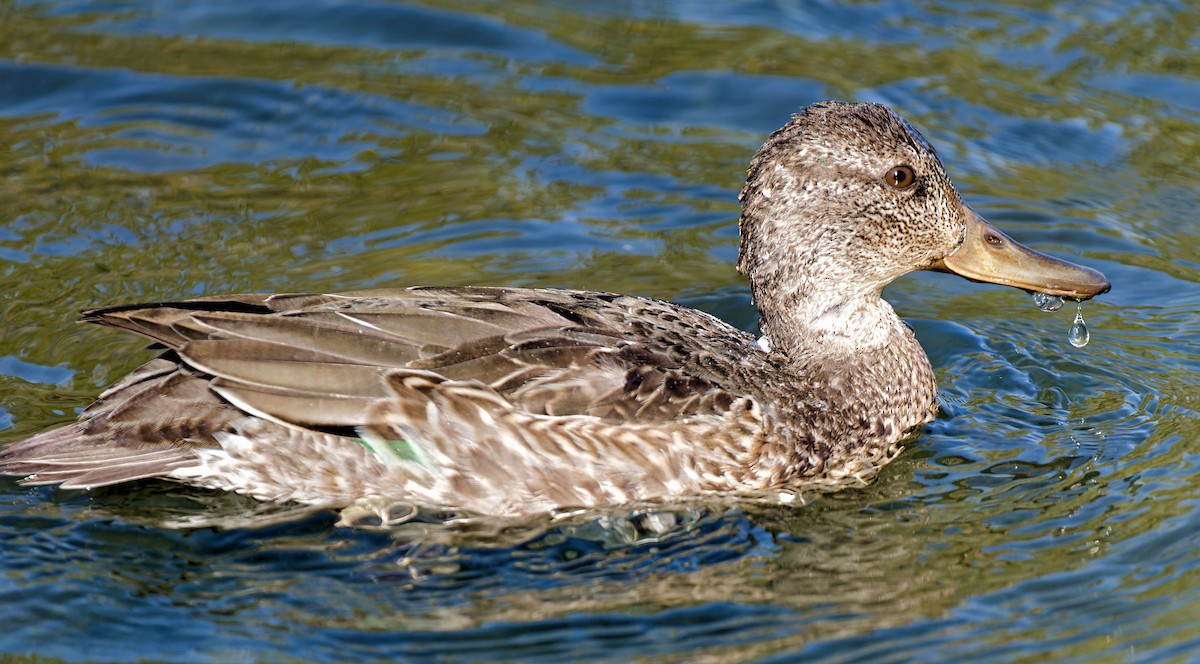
{"x":160,"y":150}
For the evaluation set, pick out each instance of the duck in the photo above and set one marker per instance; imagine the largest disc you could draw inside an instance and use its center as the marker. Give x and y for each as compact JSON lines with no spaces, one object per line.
{"x":517,"y":401}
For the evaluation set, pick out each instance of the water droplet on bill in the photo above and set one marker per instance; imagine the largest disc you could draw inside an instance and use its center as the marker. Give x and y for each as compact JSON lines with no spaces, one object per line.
{"x":1047,"y":302}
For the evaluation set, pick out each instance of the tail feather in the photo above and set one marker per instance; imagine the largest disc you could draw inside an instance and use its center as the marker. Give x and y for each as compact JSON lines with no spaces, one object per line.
{"x":149,"y":424}
{"x":77,"y":459}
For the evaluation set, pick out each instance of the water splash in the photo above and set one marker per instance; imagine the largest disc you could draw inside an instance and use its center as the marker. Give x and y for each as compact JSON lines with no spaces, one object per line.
{"x":1079,"y":335}
{"x":1047,"y":302}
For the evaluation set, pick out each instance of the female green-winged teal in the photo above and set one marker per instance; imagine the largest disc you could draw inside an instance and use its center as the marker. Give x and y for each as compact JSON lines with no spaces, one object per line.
{"x":512,"y":401}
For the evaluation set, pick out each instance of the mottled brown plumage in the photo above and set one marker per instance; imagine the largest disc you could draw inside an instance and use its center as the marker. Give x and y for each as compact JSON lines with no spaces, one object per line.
{"x":512,"y":401}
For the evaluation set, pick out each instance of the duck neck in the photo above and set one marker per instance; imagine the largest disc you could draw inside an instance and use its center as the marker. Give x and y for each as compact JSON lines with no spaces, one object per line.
{"x":859,"y":344}
{"x":873,"y":380}
{"x":834,"y":327}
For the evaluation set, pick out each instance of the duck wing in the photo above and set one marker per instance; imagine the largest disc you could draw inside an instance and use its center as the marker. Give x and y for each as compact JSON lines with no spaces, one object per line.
{"x":465,"y":374}
{"x":319,"y":361}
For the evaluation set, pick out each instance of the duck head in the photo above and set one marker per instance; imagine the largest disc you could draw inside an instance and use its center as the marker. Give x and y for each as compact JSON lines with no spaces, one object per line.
{"x":846,"y":198}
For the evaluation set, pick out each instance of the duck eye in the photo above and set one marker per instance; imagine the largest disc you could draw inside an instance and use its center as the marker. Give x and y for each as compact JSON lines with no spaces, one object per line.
{"x":901,"y":177}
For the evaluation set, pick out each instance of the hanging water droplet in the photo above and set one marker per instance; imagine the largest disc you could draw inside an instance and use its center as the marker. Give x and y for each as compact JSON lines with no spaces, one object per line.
{"x":1079,"y":335}
{"x":1047,"y":302}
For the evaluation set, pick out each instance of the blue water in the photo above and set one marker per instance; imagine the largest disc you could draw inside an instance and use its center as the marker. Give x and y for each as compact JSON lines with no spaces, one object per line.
{"x":159,"y":150}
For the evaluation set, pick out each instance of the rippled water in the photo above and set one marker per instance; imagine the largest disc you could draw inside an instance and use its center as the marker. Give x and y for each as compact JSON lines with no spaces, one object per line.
{"x":157,"y":150}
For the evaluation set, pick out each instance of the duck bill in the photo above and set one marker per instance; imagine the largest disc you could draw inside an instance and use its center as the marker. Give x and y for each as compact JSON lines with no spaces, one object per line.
{"x":988,"y":255}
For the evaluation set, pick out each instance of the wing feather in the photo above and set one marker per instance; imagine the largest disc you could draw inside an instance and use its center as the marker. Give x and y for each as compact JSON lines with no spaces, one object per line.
{"x":330,"y":362}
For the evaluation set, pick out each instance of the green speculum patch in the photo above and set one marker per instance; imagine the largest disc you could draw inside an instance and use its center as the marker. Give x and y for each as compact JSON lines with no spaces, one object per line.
{"x":391,"y":452}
